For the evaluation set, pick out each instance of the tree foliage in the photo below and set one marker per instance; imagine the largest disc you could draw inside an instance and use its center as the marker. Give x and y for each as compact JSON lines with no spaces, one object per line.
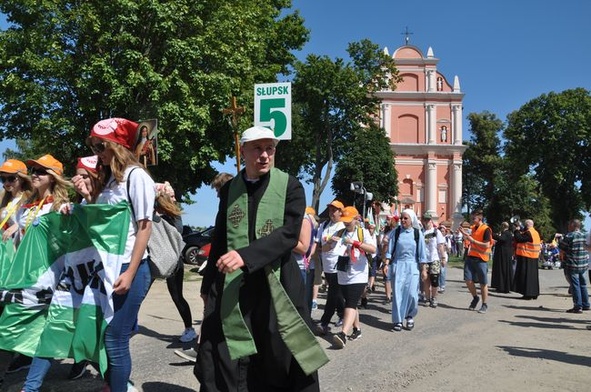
{"x":481,"y":161}
{"x":333,"y":100}
{"x":369,"y":159}
{"x":64,"y":65}
{"x":549,"y":138}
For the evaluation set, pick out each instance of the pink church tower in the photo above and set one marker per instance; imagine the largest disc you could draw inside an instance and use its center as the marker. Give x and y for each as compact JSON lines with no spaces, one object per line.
{"x":423,"y":119}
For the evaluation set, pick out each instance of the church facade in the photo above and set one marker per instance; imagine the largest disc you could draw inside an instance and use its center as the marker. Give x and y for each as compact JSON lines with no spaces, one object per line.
{"x":423,"y":119}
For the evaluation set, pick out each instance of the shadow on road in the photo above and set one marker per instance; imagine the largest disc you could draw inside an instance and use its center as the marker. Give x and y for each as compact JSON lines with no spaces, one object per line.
{"x":538,"y":353}
{"x":163,"y":387}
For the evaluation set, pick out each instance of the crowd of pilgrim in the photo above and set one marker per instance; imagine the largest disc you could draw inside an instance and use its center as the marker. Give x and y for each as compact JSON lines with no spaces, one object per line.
{"x":39,"y":186}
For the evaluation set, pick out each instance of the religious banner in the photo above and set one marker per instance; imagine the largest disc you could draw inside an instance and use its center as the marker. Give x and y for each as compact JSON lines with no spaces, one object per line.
{"x":146,"y":147}
{"x":57,"y":291}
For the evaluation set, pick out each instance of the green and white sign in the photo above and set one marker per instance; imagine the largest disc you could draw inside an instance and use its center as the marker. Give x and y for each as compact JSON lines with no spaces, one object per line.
{"x":272,"y":108}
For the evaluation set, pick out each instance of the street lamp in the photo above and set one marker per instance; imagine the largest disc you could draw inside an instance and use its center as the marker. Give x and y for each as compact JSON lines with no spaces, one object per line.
{"x":357,"y":187}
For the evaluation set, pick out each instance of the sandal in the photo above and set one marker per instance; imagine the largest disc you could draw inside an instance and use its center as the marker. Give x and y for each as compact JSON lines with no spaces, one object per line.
{"x":397,"y":327}
{"x":410,"y":324}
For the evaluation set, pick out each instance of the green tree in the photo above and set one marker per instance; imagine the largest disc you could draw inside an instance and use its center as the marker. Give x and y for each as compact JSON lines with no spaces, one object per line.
{"x":64,"y":65}
{"x":482,"y":161}
{"x":368,"y":159}
{"x":549,"y":138}
{"x":332,"y":98}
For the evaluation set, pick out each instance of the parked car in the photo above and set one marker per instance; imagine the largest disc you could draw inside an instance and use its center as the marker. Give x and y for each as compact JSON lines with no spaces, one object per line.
{"x":194,"y":241}
{"x":203,"y":253}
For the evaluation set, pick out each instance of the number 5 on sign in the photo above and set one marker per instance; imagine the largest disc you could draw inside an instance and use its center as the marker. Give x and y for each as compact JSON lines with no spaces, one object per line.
{"x":272,"y":108}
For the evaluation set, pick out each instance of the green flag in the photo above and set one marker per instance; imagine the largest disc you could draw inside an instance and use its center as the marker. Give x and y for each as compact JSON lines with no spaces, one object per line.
{"x":58,"y":288}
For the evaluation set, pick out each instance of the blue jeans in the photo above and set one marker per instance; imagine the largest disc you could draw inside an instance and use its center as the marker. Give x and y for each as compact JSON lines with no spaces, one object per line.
{"x":442,"y":277}
{"x":37,"y":371}
{"x":118,"y":332}
{"x":578,"y":285}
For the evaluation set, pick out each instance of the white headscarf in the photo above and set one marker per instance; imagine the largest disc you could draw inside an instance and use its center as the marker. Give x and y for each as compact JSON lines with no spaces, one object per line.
{"x":413,"y":218}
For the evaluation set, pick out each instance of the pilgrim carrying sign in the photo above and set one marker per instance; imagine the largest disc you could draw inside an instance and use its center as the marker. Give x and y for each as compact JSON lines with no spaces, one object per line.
{"x":272,"y":108}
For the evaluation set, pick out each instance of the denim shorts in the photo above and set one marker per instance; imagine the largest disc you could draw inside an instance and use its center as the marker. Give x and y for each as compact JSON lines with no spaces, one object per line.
{"x":475,"y":267}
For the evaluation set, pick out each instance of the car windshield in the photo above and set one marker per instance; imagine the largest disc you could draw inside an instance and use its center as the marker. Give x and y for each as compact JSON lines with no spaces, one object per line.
{"x":207,"y":232}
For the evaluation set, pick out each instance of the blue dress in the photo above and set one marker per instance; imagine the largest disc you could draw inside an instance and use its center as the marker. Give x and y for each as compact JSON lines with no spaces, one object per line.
{"x":404,"y":273}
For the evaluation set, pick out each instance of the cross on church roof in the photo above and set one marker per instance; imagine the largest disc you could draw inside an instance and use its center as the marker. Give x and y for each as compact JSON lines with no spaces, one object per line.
{"x":407,"y":35}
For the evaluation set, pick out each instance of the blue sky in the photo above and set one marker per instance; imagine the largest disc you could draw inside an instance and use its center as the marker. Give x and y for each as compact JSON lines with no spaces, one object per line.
{"x":505,"y":53}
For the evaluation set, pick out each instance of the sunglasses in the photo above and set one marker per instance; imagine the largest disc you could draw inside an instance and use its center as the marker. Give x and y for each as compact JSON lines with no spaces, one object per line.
{"x":8,"y":179}
{"x":38,"y":172}
{"x":98,"y":148}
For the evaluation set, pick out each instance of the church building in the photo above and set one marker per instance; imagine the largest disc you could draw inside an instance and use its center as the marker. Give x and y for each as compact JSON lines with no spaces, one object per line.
{"x":423,"y":119}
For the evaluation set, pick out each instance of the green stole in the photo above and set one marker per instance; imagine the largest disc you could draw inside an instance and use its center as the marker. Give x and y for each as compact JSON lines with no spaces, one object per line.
{"x":293,"y":329}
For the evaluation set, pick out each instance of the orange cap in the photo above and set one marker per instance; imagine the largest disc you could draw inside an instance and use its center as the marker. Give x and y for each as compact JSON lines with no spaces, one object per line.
{"x":336,"y":204}
{"x":349,"y":213}
{"x":48,"y":162}
{"x":13,"y":166}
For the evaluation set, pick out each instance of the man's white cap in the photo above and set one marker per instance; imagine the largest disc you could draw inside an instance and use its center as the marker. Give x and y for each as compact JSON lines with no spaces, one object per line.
{"x":257,"y":133}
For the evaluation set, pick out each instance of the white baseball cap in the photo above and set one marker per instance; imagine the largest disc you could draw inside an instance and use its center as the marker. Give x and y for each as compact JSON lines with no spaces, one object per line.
{"x":257,"y":133}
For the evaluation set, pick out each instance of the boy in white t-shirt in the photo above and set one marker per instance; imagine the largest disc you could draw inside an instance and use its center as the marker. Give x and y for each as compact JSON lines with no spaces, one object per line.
{"x":435,"y":249}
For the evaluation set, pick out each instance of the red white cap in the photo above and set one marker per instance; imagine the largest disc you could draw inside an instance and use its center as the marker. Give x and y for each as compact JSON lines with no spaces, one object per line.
{"x":118,"y":130}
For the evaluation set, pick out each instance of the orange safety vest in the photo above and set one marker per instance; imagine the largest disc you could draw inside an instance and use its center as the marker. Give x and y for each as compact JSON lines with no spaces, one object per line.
{"x":530,"y":250}
{"x":476,"y":250}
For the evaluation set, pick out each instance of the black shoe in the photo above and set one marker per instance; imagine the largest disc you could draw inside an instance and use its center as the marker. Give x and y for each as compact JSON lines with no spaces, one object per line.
{"x":21,"y":362}
{"x":78,"y":369}
{"x":364,"y":303}
{"x":339,"y":340}
{"x":573,"y":310}
{"x":474,"y":303}
{"x":356,"y":334}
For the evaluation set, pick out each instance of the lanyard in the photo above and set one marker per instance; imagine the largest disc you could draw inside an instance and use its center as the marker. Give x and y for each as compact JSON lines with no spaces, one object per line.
{"x":31,"y":216}
{"x":9,"y":212}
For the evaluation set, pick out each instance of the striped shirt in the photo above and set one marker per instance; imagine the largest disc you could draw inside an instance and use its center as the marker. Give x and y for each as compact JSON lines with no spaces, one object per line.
{"x":574,"y":247}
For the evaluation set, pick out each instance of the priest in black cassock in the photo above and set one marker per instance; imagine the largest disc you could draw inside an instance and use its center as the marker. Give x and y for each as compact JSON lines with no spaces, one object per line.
{"x":255,"y":334}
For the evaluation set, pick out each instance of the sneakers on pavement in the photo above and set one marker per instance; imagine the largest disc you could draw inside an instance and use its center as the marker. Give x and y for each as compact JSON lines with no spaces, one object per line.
{"x":189,"y":354}
{"x":130,"y":387}
{"x":77,"y":370}
{"x":573,"y":310}
{"x":21,"y":362}
{"x":474,"y":303}
{"x":339,"y":340}
{"x":433,"y":303}
{"x":355,"y":335}
{"x":188,"y":335}
{"x":483,"y":308}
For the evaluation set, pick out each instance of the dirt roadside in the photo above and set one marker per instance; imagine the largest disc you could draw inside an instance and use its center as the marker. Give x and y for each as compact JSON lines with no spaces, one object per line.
{"x":517,"y":345}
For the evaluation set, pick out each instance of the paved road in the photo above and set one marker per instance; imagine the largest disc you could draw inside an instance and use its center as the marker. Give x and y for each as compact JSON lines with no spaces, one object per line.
{"x":383,"y":360}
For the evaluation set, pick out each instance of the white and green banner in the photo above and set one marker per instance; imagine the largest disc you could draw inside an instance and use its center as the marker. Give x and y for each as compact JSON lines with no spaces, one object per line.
{"x":57,"y":289}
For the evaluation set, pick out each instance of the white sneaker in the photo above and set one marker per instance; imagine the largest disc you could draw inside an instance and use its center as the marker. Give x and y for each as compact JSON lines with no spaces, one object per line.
{"x":188,"y":335}
{"x":130,"y":387}
{"x":189,"y":354}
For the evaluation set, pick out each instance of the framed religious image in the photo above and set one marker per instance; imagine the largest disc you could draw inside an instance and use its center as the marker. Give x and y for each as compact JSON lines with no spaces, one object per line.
{"x":146,"y":147}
